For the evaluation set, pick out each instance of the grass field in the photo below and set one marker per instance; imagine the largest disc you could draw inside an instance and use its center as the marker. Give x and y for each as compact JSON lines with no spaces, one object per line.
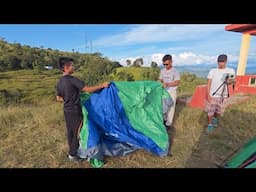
{"x":34,"y":134}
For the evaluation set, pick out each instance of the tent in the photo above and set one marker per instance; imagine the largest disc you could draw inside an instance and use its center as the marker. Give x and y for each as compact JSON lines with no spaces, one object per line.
{"x":245,"y":157}
{"x":124,"y":117}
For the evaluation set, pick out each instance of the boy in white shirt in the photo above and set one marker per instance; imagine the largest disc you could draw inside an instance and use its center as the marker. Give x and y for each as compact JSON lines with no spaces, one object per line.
{"x":170,"y":78}
{"x":216,"y":94}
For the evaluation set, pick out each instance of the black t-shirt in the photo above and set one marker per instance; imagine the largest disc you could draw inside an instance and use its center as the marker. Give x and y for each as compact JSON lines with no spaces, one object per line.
{"x":69,"y":88}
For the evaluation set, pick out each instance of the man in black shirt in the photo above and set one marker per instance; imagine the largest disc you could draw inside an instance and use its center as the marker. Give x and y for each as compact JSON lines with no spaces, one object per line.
{"x":68,"y":90}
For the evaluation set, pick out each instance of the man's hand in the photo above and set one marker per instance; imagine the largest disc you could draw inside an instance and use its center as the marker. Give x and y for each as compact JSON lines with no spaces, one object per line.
{"x":95,"y":88}
{"x":231,"y":81}
{"x":165,"y":85}
{"x":171,"y":84}
{"x":105,"y":84}
{"x":209,"y":98}
{"x":59,"y":98}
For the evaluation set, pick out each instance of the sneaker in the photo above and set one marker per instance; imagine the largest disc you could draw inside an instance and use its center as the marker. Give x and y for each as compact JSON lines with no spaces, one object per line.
{"x":209,"y":128}
{"x":214,"y":122}
{"x":74,"y":158}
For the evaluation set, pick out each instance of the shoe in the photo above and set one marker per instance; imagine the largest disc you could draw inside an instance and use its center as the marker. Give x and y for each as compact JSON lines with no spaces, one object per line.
{"x":209,"y":128}
{"x":214,"y":122}
{"x":74,"y":158}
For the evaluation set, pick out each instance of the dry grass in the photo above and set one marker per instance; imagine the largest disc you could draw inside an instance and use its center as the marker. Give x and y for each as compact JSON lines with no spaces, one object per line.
{"x":35,"y":137}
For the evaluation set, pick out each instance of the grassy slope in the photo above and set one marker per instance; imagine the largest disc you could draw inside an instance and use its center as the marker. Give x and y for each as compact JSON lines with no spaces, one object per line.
{"x":34,"y":135}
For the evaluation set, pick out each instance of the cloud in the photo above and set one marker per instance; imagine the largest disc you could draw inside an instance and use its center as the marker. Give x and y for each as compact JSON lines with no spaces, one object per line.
{"x":181,"y":59}
{"x":188,"y":44}
{"x":158,"y":33}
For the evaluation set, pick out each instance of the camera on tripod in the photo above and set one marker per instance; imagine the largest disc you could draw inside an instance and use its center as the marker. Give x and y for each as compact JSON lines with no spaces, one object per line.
{"x":229,"y":80}
{"x":230,"y":77}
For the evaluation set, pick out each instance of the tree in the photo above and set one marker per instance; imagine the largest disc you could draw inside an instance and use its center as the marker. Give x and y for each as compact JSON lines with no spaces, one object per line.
{"x":154,"y":64}
{"x":14,"y":56}
{"x":128,"y":62}
{"x":116,"y":64}
{"x":154,"y":74}
{"x":13,"y":63}
{"x":124,"y":76}
{"x":138,"y":62}
{"x":151,"y":74}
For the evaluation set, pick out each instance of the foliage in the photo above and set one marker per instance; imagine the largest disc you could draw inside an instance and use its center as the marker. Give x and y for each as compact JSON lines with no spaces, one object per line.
{"x":138,"y":62}
{"x":15,"y":56}
{"x":154,"y":64}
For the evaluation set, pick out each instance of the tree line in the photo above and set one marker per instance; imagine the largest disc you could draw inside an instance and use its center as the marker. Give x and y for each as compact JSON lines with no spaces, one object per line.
{"x":93,"y":67}
{"x":139,"y":63}
{"x":14,"y":56}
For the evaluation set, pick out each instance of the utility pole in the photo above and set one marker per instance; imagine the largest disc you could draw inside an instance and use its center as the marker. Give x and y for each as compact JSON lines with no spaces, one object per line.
{"x":91,"y":45}
{"x":85,"y":44}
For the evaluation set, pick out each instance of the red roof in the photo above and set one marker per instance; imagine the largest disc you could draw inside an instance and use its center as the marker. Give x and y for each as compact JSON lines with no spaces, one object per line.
{"x":242,"y":28}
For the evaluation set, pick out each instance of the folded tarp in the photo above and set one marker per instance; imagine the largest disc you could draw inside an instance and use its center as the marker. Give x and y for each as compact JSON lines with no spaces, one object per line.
{"x":124,"y":117}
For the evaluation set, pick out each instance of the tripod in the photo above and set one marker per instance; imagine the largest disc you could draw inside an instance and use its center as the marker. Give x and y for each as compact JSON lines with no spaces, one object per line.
{"x":224,"y":86}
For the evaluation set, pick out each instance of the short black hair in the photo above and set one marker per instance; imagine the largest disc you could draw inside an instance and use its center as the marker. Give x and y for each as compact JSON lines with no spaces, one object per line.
{"x":64,"y":60}
{"x":167,"y":57}
{"x":222,"y":58}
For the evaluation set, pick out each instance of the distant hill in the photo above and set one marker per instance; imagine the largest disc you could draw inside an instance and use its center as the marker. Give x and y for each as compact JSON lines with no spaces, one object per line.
{"x":203,"y":70}
{"x":15,"y":56}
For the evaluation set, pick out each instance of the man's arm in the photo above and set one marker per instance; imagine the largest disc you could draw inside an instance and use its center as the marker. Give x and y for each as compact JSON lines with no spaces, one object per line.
{"x":209,"y":83}
{"x":175,"y":82}
{"x":59,"y":98}
{"x":172,"y":84}
{"x":160,"y":80}
{"x":95,"y":88}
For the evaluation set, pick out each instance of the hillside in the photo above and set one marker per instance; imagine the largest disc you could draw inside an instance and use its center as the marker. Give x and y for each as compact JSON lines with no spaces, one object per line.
{"x":15,"y":56}
{"x":32,"y":128}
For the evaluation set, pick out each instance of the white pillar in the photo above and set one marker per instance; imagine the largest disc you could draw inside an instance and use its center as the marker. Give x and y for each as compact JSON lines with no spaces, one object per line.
{"x":244,"y":50}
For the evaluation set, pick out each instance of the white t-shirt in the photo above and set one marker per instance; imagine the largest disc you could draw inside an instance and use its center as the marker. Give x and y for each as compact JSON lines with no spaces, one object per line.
{"x":218,"y":77}
{"x":169,"y":76}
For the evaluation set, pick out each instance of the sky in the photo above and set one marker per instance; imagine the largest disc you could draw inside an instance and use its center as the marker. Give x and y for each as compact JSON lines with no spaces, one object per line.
{"x":189,"y":44}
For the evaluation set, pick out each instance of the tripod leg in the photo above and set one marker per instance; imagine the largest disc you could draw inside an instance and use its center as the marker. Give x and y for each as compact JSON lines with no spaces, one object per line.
{"x":218,"y":88}
{"x":227,"y":90}
{"x":225,"y":86}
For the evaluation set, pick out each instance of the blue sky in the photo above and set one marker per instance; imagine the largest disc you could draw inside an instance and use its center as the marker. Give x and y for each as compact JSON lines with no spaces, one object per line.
{"x":191,"y":44}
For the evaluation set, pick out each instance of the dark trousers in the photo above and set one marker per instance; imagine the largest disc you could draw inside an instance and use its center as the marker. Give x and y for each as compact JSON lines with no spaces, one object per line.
{"x":73,"y":122}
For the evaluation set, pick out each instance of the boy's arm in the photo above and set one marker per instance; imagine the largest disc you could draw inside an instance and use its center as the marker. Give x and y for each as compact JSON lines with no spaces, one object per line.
{"x":176,"y":80}
{"x":81,"y":86}
{"x":59,"y":98}
{"x":95,"y":88}
{"x":209,"y":83}
{"x":173,"y":84}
